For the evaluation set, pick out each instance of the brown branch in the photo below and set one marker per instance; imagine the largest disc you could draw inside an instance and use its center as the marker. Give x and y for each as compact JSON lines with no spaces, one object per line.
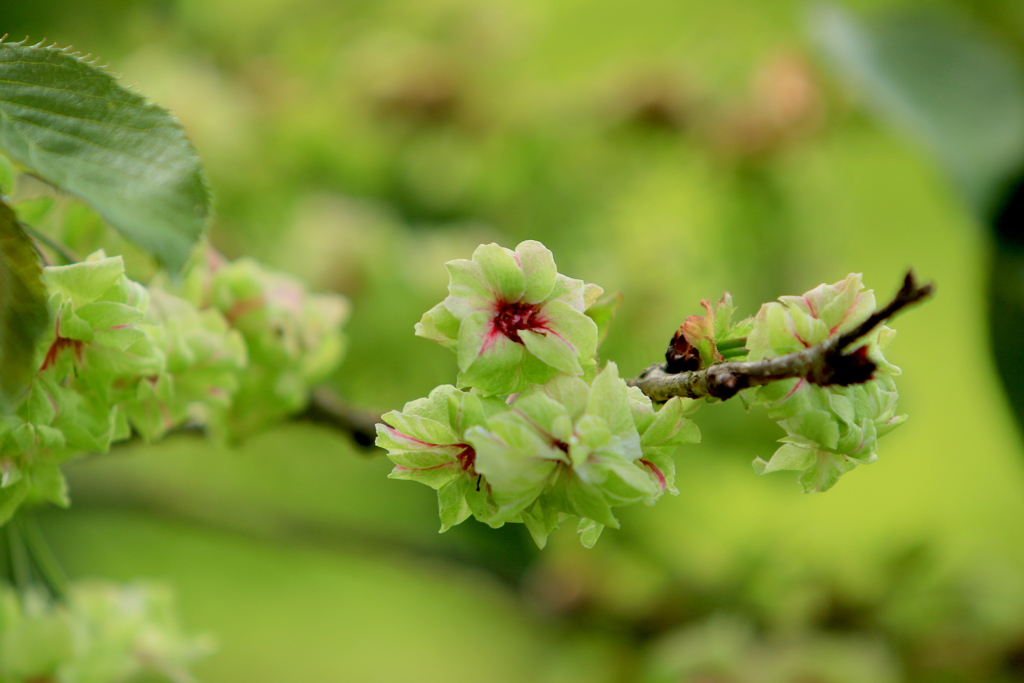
{"x":330,"y":410}
{"x":824,"y":364}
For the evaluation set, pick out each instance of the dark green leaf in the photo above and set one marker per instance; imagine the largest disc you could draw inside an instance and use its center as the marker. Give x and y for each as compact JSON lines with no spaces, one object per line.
{"x":70,"y":122}
{"x":944,"y":81}
{"x":23,"y":313}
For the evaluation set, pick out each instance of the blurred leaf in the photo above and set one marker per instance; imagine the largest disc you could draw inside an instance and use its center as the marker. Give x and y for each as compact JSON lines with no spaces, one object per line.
{"x":23,"y":314}
{"x":7,"y":174}
{"x":32,"y":211}
{"x":1006,"y":297}
{"x":945,"y":81}
{"x":70,"y":122}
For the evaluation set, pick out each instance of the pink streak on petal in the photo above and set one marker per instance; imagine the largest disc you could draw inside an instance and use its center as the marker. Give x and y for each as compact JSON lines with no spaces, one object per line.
{"x":657,"y":473}
{"x":814,"y":314}
{"x":423,"y":469}
{"x":399,"y":436}
{"x":490,"y":341}
{"x":794,"y":389}
{"x":792,"y":331}
{"x":560,"y":337}
{"x":856,"y":300}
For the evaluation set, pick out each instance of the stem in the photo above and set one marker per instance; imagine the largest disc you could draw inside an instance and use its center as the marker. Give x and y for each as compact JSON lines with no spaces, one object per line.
{"x":740,"y":352}
{"x":45,"y":562}
{"x":18,"y":569}
{"x":728,"y":344}
{"x":328,"y":409}
{"x":53,"y":245}
{"x":824,"y":364}
{"x":26,"y":558}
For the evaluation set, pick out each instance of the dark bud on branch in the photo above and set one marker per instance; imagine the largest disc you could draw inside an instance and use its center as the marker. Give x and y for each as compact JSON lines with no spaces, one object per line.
{"x":681,"y":356}
{"x":827,"y":363}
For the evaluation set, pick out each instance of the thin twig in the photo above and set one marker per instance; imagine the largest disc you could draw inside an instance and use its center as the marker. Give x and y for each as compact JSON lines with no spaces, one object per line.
{"x":824,"y":364}
{"x":328,"y":409}
{"x":53,"y":245}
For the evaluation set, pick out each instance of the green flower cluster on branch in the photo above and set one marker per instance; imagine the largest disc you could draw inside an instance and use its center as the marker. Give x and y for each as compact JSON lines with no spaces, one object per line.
{"x":236,"y":347}
{"x":829,"y":429}
{"x":534,"y":434}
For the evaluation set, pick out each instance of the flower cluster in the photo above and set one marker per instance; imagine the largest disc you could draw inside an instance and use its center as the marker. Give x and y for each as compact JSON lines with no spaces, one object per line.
{"x":293,"y":336}
{"x":105,"y":632}
{"x":533,"y":435}
{"x":120,"y":357}
{"x":831,"y":429}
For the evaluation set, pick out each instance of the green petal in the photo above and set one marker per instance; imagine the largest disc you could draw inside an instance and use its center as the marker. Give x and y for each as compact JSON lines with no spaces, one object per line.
{"x":516,"y":461}
{"x":577,"y":328}
{"x":540,"y":521}
{"x":589,"y":532}
{"x":566,"y":339}
{"x":570,"y":291}
{"x":422,"y":429}
{"x":501,"y":270}
{"x":592,"y":292}
{"x":609,"y":399}
{"x":825,"y":471}
{"x":587,"y":501}
{"x":553,"y":350}
{"x":86,"y":281}
{"x":538,"y":266}
{"x":106,"y":314}
{"x":477,"y":336}
{"x":468,"y":289}
{"x":434,"y":406}
{"x":571,"y":392}
{"x":669,"y":427}
{"x":434,"y":477}
{"x":438,"y":324}
{"x":73,"y":327}
{"x":787,"y":457}
{"x":50,"y":484}
{"x":490,"y":361}
{"x":451,"y":503}
{"x":540,"y":411}
{"x":662,"y":469}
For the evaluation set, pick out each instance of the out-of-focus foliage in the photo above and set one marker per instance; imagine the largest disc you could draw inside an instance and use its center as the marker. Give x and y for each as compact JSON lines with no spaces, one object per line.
{"x":945,"y":81}
{"x":668,"y":150}
{"x":104,"y":634}
{"x":955,"y":82}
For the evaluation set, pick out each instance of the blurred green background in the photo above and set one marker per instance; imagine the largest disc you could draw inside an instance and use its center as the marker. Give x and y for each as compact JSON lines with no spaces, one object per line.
{"x":667,"y":150}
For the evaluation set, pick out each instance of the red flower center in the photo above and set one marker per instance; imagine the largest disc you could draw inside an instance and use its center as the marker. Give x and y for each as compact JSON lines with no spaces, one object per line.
{"x":513,"y":317}
{"x":466,"y":459}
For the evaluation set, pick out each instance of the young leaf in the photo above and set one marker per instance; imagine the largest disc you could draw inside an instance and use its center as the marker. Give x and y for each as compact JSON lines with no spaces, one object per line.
{"x":23,"y":314}
{"x":70,"y":122}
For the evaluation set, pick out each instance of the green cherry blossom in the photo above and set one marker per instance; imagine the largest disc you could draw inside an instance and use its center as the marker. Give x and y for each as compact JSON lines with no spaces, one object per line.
{"x":98,"y":336}
{"x":426,"y":442}
{"x":513,"y":320}
{"x":566,"y":449}
{"x":832,"y":429}
{"x":204,"y":360}
{"x":293,"y":336}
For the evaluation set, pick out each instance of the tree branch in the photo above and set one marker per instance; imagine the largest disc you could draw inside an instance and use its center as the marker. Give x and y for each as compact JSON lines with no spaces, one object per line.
{"x":330,"y":410}
{"x":824,"y":364}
